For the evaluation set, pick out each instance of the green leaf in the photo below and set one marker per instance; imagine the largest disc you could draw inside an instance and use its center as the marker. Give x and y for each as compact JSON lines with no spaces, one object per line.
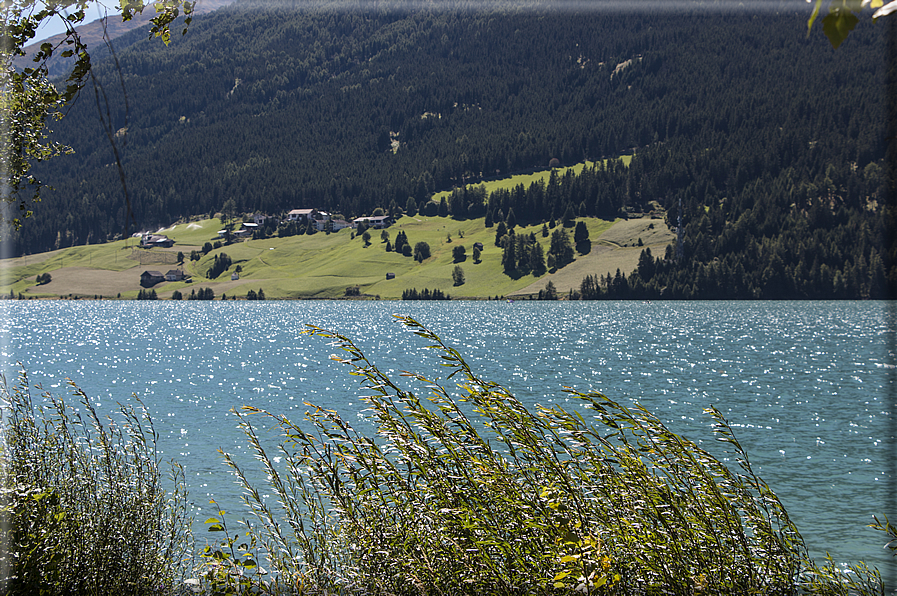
{"x":813,"y":16}
{"x":838,"y":24}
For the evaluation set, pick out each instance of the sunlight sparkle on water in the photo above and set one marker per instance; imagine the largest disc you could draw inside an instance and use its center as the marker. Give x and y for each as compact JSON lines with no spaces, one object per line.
{"x":823,"y":367}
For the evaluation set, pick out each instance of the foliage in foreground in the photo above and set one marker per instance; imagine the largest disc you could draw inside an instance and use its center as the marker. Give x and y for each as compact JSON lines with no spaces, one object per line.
{"x":477,"y":494}
{"x":84,"y":508}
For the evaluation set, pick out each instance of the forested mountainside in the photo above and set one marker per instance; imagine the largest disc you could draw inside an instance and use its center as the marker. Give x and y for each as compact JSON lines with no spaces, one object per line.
{"x":770,"y":146}
{"x":94,"y":33}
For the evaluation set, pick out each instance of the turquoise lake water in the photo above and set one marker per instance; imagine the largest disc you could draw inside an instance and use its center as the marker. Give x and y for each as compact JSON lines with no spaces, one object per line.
{"x":808,"y":386}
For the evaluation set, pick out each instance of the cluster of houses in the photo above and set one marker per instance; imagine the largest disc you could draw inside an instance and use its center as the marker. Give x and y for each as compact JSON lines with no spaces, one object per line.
{"x":250,"y":225}
{"x":320,"y":219}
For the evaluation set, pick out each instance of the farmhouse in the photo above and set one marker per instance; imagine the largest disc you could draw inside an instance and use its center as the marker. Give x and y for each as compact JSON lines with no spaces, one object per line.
{"x":339,"y":224}
{"x":150,"y":278}
{"x":173,"y":275}
{"x":151,"y":240}
{"x":321,"y":218}
{"x":301,"y":214}
{"x":374,"y":221}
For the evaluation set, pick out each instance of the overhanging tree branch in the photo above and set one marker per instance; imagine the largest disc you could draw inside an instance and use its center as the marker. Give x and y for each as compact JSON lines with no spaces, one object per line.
{"x":29,"y":100}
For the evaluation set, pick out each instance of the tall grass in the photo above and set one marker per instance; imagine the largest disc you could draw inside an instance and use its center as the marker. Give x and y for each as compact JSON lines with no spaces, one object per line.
{"x":454,"y":495}
{"x":85,"y":509}
{"x":480,"y":495}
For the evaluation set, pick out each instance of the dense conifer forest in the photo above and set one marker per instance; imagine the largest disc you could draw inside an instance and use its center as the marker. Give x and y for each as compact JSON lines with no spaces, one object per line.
{"x":768,"y":148}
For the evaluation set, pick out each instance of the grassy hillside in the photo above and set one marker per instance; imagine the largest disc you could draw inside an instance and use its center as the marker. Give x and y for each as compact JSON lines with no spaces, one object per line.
{"x":323,"y":266}
{"x":510,"y":182}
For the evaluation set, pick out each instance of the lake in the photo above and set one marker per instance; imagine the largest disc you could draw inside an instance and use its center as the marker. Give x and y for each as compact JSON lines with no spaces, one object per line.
{"x":807,"y":386}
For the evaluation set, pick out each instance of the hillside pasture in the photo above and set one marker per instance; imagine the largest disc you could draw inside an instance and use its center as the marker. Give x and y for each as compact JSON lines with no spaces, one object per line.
{"x":525,"y":179}
{"x":192,"y":235}
{"x":324,"y":265}
{"x":616,"y":248}
{"x":84,"y":282}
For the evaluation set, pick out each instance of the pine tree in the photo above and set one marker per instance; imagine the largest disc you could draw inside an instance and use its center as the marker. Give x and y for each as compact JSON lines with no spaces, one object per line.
{"x":560,"y":248}
{"x":537,"y":259}
{"x":581,"y":232}
{"x":500,"y":231}
{"x":509,"y":256}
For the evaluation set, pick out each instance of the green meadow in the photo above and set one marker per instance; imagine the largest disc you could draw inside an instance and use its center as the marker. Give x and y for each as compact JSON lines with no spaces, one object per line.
{"x":324,"y":265}
{"x":526,"y":179}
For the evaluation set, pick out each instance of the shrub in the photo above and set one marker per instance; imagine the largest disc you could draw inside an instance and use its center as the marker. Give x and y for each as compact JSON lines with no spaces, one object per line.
{"x":478,"y":494}
{"x":458,"y":276}
{"x":85,"y":509}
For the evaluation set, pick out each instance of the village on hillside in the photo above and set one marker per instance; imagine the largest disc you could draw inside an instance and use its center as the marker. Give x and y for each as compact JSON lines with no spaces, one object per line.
{"x":254,"y":226}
